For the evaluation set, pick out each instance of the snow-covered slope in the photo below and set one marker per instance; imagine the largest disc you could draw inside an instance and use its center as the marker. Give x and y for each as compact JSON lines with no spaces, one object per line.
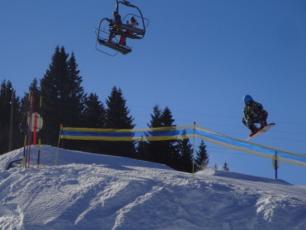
{"x":89,"y":191}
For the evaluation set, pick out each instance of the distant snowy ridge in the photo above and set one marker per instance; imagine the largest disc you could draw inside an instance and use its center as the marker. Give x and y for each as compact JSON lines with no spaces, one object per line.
{"x":92,"y":191}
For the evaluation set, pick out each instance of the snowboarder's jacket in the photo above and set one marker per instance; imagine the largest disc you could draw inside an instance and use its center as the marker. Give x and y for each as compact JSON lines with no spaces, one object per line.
{"x":254,"y":111}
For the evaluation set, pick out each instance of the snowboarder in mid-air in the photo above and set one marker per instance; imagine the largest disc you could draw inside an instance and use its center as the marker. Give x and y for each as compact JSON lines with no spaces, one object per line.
{"x":254,"y":113}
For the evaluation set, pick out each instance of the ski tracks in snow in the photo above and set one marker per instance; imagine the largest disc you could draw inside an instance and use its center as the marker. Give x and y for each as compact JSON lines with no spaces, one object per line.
{"x":124,"y":195}
{"x":11,"y":217}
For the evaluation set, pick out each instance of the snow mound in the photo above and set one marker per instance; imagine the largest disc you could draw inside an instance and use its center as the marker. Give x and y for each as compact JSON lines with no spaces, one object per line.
{"x":50,"y":156}
{"x":91,"y":191}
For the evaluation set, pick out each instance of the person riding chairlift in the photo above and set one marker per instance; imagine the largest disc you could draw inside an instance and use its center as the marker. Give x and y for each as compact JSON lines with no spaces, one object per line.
{"x":133,"y":23}
{"x":115,"y":29}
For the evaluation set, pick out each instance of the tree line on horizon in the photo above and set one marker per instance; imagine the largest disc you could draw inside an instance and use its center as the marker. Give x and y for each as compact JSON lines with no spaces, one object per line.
{"x":65,"y":102}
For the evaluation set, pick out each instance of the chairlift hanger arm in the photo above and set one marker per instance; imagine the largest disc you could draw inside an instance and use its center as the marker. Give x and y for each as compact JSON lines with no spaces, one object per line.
{"x":124,"y":2}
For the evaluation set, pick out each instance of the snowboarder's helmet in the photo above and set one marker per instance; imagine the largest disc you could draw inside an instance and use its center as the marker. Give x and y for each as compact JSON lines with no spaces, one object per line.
{"x":247,"y":99}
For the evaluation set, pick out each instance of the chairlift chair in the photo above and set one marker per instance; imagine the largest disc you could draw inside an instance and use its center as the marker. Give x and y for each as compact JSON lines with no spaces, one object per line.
{"x":124,"y":29}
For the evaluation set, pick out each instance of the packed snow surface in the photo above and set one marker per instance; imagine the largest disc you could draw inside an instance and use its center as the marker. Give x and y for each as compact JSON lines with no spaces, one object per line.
{"x":92,"y":191}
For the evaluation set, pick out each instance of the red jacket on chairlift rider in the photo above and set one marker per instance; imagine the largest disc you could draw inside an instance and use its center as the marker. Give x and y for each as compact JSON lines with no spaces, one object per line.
{"x":133,"y":23}
{"x":115,"y":26}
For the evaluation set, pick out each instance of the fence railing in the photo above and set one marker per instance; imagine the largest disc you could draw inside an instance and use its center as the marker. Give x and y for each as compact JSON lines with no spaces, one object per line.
{"x":182,"y":132}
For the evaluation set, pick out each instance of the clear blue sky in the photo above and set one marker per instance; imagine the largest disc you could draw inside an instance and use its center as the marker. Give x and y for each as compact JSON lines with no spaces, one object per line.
{"x":199,"y":58}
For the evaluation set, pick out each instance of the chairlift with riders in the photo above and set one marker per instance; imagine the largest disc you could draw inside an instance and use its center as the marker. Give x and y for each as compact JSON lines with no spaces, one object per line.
{"x":133,"y":26}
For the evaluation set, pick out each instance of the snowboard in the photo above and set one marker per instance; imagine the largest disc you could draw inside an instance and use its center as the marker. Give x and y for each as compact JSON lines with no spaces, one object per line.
{"x":260,"y":131}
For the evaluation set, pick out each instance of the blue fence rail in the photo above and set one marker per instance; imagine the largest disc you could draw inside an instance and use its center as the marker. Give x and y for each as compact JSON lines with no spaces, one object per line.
{"x":182,"y":132}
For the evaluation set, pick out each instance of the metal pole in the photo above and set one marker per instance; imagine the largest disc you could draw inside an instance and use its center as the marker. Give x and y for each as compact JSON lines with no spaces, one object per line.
{"x":11,"y":122}
{"x":38,"y":153}
{"x":35,"y":128}
{"x":58,"y":144}
{"x":24,"y":150}
{"x":38,"y":158}
{"x":275,"y":165}
{"x":117,"y":6}
{"x":28,"y":155}
{"x":193,"y":144}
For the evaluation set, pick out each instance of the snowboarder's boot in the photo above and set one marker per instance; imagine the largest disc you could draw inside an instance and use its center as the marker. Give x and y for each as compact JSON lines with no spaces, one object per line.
{"x":253,"y":129}
{"x":263,"y":124}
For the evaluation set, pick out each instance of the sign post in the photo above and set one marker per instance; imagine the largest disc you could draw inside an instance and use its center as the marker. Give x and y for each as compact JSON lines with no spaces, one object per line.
{"x":35,"y":123}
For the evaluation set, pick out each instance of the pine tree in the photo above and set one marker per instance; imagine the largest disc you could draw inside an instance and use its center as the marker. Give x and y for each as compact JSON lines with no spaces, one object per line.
{"x":74,"y":92}
{"x":156,"y":117}
{"x":62,"y":95}
{"x":5,"y":97}
{"x":225,"y":167}
{"x":201,"y":157}
{"x":94,"y":112}
{"x":10,"y":136}
{"x":186,"y":155}
{"x":93,"y":117}
{"x":35,"y":91}
{"x":167,"y":118}
{"x":117,"y":117}
{"x":164,"y":152}
{"x":154,"y":149}
{"x":142,"y":151}
{"x":52,"y":93}
{"x":171,"y":154}
{"x":25,"y":105}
